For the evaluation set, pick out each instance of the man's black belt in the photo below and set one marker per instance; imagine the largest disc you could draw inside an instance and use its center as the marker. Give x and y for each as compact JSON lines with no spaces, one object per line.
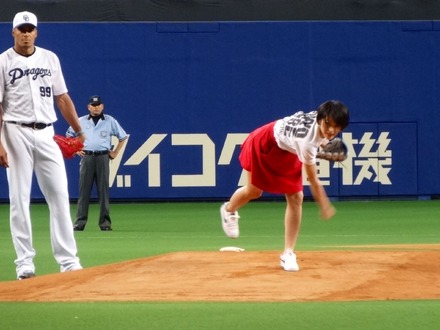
{"x":31,"y":125}
{"x":96,"y":153}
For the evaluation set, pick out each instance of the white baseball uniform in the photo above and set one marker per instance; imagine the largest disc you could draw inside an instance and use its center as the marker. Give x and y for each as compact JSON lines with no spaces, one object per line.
{"x":27,"y":89}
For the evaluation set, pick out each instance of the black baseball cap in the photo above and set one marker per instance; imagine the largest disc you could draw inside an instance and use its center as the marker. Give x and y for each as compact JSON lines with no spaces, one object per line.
{"x":95,"y":100}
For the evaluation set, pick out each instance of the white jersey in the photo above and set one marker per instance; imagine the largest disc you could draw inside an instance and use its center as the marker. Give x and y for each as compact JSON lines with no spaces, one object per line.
{"x":28,"y":85}
{"x":299,"y":134}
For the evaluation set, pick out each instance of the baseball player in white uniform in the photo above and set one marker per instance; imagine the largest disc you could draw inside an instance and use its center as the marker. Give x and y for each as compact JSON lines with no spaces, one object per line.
{"x":30,"y":79}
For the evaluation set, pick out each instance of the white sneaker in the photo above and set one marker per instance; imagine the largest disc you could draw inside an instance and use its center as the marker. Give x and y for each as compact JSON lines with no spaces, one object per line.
{"x":229,"y":222}
{"x":288,"y":261}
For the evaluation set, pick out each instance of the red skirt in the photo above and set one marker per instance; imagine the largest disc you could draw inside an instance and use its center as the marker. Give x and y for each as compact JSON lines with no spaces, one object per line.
{"x":272,"y":169}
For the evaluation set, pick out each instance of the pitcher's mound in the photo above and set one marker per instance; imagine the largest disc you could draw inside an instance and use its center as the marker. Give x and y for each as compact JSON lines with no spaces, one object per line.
{"x":398,"y":273}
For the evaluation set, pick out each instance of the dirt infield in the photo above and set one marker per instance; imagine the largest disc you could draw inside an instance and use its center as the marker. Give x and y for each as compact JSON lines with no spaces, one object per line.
{"x":368,"y":273}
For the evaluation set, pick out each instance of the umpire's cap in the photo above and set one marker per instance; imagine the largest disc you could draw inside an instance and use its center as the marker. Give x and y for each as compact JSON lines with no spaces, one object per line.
{"x":95,"y":100}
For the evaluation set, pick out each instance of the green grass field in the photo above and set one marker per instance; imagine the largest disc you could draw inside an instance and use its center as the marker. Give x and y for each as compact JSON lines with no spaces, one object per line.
{"x":142,"y":230}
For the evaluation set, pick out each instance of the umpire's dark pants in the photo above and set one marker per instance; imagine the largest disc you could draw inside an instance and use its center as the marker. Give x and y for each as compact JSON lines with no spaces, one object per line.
{"x":94,"y":168}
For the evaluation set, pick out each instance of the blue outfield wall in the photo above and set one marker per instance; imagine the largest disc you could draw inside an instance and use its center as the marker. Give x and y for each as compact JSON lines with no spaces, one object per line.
{"x":189,"y":93}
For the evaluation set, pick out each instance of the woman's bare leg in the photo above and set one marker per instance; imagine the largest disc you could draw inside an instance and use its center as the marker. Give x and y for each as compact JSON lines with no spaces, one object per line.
{"x":243,"y":195}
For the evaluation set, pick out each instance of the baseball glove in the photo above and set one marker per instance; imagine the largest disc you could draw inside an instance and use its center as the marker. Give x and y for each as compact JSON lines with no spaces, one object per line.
{"x":335,"y":150}
{"x":69,"y":145}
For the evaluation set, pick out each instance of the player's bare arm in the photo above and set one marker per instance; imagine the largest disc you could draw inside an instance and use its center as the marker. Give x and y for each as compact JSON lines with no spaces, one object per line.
{"x":318,"y":193}
{"x":67,"y":109}
{"x":3,"y":154}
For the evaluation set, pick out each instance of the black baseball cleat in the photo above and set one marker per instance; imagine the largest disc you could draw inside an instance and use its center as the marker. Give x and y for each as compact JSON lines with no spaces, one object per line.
{"x":106,"y":229}
{"x":26,"y":275}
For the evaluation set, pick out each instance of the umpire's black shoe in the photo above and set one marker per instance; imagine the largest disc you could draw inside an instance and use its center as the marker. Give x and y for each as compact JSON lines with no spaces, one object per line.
{"x":106,"y":229}
{"x":78,"y":228}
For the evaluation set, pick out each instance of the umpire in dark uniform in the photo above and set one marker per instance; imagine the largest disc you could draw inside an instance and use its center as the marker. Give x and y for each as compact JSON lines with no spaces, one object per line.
{"x":95,"y":161}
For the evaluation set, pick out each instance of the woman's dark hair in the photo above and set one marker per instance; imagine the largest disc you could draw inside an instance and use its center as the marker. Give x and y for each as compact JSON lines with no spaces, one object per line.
{"x":336,"y":110}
